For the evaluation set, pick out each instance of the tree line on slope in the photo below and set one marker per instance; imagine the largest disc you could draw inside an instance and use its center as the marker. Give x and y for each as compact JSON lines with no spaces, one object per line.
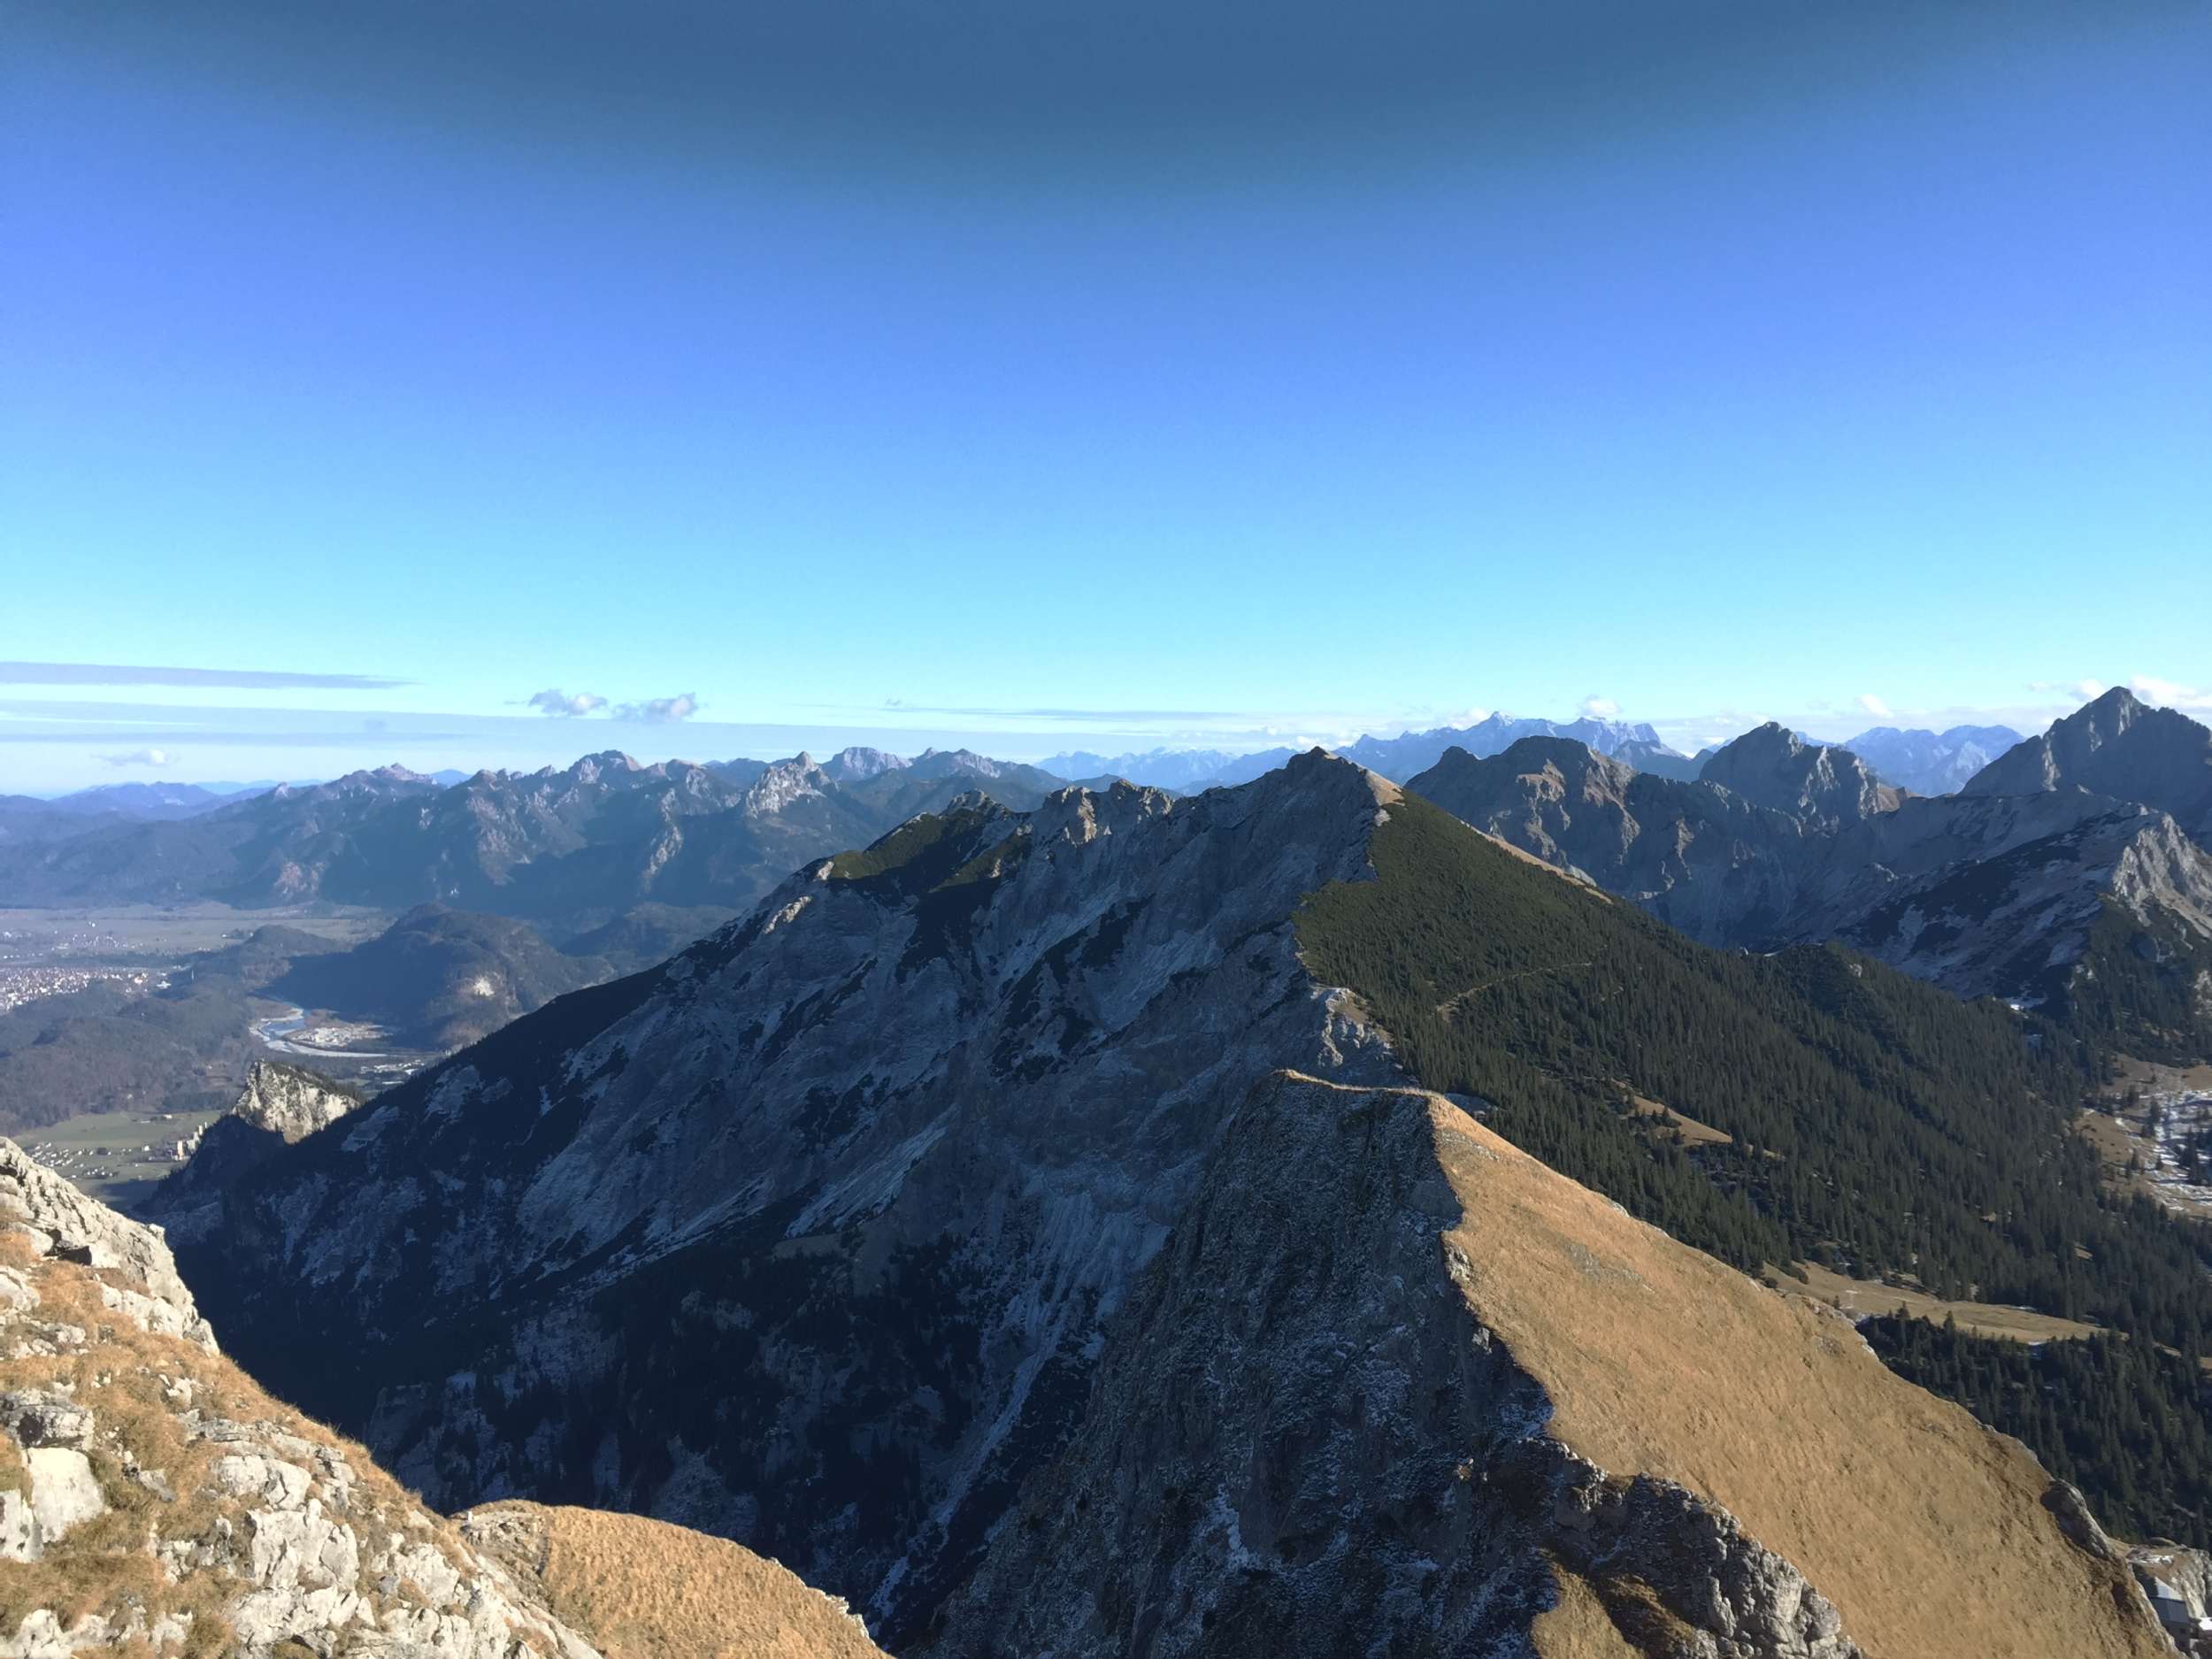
{"x":1876,"y":1124}
{"x":2125,"y":1421}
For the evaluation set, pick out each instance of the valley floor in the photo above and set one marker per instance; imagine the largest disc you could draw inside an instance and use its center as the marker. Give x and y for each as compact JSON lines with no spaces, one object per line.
{"x":117,"y":1157}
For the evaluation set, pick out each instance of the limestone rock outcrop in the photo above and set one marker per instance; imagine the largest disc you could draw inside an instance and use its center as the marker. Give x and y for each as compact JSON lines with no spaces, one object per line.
{"x":137,"y":1275}
{"x":280,"y":1106}
{"x":154,"y":1499}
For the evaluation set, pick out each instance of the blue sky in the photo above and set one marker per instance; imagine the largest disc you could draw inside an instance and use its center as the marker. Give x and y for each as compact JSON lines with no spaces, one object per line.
{"x":1223,"y":374}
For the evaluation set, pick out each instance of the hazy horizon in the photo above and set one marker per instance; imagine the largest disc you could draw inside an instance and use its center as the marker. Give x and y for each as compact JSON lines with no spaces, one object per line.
{"x":488,"y":386}
{"x":649,"y":743}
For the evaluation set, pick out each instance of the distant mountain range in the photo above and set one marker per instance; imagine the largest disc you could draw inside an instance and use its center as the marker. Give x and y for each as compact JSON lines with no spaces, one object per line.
{"x":2059,"y":878}
{"x":1923,"y":761}
{"x":1396,"y":758}
{"x":573,"y":849}
{"x":1930,"y":763}
{"x":1768,"y":838}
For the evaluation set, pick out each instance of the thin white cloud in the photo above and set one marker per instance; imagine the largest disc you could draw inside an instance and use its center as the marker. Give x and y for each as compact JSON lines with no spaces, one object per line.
{"x":660,"y":710}
{"x":557,"y":702}
{"x":139,"y":674}
{"x":139,"y":757}
{"x":2151,"y":688}
{"x":1876,"y":707}
{"x":1600,"y":708}
{"x":2084,"y":690}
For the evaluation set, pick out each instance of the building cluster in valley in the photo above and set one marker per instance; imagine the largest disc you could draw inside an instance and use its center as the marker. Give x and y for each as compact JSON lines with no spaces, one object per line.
{"x":40,"y":980}
{"x":76,"y":1160}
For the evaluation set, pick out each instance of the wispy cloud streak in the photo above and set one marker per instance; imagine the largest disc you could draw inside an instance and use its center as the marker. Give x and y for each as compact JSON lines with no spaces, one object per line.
{"x":138,"y":674}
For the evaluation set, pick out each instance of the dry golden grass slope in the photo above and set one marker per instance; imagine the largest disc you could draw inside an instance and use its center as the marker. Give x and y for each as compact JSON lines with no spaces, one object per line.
{"x":1928,"y":1532}
{"x":647,"y":1590}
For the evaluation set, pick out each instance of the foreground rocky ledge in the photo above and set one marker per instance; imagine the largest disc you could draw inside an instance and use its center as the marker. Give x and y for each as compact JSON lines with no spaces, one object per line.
{"x":154,"y":1500}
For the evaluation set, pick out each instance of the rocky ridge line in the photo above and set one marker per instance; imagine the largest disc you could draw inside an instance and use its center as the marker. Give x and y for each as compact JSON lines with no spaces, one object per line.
{"x":1348,"y":1395}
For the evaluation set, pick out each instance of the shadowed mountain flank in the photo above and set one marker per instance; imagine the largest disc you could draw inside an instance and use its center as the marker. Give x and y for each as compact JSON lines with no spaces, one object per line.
{"x":1393,"y":1377}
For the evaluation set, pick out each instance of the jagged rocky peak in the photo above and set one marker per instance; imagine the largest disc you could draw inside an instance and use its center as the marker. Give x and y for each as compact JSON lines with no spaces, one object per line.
{"x":1707,"y":861}
{"x":279,"y":1105}
{"x":1770,"y":766}
{"x":1539,"y":794}
{"x":291,"y":1101}
{"x":783,"y":783}
{"x":2117,"y":746}
{"x":1079,"y":813}
{"x":858,"y":764}
{"x":588,"y":767}
{"x":1572,"y":763}
{"x":1393,"y":1386}
{"x":956,"y":1086}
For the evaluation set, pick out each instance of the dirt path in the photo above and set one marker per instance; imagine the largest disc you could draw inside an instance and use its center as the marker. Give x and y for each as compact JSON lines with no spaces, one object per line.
{"x":1444,"y":1008}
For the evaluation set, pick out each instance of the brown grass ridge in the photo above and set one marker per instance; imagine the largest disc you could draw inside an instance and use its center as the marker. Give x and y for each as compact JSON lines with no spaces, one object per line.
{"x":1925,"y":1529}
{"x":645,"y":1589}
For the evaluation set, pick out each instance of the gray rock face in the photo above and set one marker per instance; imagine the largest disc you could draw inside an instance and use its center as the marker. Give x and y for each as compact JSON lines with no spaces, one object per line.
{"x":880,"y":1161}
{"x":1740,"y":1599}
{"x":1820,"y":784}
{"x":259,"y":1516}
{"x":280,"y":1106}
{"x":2017,"y":921}
{"x":859,"y":763}
{"x":1301,"y":1431}
{"x":290,"y":1102}
{"x":140,"y":1274}
{"x":1723,"y":869}
{"x":2121,"y":747}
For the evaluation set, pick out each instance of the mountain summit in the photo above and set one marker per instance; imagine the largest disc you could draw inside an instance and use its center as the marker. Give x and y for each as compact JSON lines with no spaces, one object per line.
{"x":2121,"y":747}
{"x":1820,"y":783}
